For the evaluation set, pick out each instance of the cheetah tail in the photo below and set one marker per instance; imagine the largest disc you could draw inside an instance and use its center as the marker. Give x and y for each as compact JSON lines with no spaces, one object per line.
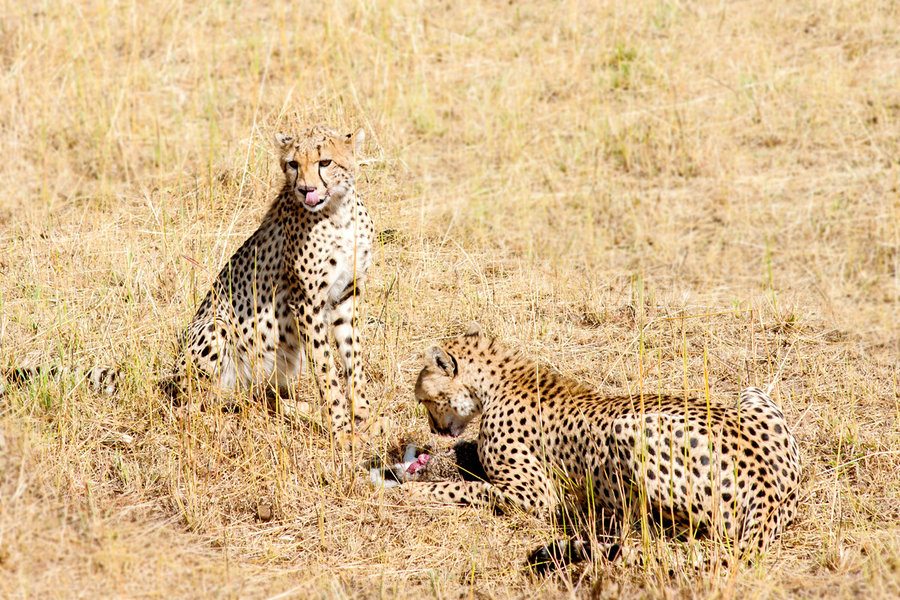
{"x":100,"y":380}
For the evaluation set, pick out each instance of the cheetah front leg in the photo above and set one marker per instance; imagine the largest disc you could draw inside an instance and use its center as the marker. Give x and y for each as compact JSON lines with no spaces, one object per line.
{"x":346,"y":334}
{"x":473,"y":493}
{"x":522,"y":485}
{"x":310,"y":306}
{"x":314,"y":332}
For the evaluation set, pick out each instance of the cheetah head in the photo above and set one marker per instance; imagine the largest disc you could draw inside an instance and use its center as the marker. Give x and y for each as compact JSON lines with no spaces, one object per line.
{"x":451,"y":403}
{"x":318,"y":165}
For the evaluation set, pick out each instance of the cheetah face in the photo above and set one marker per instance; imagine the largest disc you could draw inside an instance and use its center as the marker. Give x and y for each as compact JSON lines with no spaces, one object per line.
{"x":451,"y":405}
{"x":318,"y":165}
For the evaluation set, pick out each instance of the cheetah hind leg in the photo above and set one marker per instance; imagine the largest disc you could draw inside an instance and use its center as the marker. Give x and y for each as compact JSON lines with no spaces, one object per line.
{"x":562,"y":553}
{"x":283,"y":401}
{"x":189,"y":387}
{"x":576,"y":521}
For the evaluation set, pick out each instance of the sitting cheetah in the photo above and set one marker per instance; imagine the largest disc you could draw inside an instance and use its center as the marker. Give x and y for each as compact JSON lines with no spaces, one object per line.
{"x":293,"y":280}
{"x":731,"y":471}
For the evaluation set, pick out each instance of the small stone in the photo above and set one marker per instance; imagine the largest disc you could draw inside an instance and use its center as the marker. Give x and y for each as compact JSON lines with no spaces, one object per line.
{"x":264,"y":512}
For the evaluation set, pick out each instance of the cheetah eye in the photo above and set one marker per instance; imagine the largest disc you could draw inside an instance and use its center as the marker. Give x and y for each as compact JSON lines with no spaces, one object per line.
{"x":324,"y":163}
{"x":293,"y":164}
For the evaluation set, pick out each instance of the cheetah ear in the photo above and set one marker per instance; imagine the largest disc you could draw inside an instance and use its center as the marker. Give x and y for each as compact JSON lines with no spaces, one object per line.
{"x":283,"y":141}
{"x":355,"y":140}
{"x":474,"y":329}
{"x":435,"y":357}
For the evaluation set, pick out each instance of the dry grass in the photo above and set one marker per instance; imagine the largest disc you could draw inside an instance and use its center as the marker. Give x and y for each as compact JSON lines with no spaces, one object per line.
{"x":645,"y":195}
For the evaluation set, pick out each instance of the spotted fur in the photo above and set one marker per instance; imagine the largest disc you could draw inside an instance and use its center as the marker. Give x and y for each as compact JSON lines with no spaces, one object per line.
{"x":731,"y":471}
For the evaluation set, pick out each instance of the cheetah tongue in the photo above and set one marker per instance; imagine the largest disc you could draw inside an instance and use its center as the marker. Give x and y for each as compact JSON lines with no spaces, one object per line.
{"x":312,"y":197}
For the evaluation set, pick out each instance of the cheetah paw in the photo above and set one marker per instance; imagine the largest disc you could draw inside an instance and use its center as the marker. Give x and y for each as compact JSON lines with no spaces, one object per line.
{"x":417,"y":491}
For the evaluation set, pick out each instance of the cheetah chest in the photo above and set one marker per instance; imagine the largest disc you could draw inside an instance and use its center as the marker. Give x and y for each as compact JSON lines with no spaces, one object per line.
{"x":331,"y":260}
{"x":350,"y":262}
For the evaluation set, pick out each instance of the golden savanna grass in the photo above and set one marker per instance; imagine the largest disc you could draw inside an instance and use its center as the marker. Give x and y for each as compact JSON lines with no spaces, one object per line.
{"x":645,"y":195}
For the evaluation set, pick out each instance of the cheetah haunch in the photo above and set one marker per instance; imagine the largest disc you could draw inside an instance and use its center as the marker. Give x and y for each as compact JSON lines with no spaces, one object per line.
{"x":730,"y":471}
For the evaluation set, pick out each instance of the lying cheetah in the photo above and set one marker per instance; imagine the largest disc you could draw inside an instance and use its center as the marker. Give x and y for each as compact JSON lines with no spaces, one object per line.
{"x":731,"y":471}
{"x":297,"y":277}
